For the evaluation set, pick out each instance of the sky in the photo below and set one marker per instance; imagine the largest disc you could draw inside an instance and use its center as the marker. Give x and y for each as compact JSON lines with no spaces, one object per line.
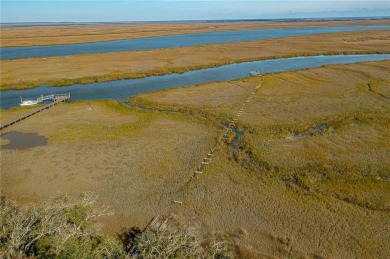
{"x":13,"y":11}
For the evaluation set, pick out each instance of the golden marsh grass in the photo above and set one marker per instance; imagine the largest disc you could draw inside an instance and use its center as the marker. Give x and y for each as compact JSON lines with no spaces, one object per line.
{"x":127,"y":157}
{"x":83,"y":69}
{"x":306,"y":191}
{"x":291,"y":193}
{"x":48,"y":35}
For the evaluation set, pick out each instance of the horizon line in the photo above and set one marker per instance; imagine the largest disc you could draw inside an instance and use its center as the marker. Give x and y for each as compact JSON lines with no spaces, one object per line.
{"x":211,"y":20}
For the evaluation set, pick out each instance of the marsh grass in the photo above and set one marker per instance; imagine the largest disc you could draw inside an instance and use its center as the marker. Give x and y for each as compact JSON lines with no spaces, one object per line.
{"x":293,"y":191}
{"x":324,"y":130}
{"x":10,"y":84}
{"x":111,"y":76}
{"x":174,"y":109}
{"x":119,"y":122}
{"x":47,"y":35}
{"x":85,"y":69}
{"x":7,"y":115}
{"x":215,"y":101}
{"x":337,"y":160}
{"x":132,"y":158}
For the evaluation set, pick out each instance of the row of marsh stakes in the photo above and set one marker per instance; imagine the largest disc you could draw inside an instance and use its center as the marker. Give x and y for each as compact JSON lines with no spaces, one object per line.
{"x":228,"y":130}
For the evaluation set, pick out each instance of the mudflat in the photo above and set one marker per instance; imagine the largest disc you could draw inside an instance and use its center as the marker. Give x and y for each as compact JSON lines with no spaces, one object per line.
{"x":57,"y":35}
{"x":58,"y":71}
{"x":310,"y":177}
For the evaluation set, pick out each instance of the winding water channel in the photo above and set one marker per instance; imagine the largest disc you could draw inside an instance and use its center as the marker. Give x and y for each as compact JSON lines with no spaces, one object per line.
{"x":121,"y":89}
{"x":173,"y":41}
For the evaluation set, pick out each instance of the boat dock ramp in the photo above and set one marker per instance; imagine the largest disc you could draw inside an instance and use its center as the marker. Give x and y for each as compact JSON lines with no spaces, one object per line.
{"x":57,"y":98}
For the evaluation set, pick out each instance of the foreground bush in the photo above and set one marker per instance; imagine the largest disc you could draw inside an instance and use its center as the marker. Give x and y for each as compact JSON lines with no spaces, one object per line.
{"x":171,"y":238}
{"x":66,"y":227}
{"x":63,"y":227}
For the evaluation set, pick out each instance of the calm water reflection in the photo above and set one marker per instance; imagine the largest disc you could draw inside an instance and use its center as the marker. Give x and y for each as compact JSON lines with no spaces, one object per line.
{"x":174,"y":41}
{"x":121,"y":89}
{"x":20,"y":140}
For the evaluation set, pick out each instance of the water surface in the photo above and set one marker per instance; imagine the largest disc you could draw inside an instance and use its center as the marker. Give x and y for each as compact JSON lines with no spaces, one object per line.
{"x":121,"y":89}
{"x":20,"y":140}
{"x":173,"y":41}
{"x":237,"y":135}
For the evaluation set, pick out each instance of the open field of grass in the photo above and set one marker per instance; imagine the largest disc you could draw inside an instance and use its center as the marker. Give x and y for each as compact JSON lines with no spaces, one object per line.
{"x":132,"y":159}
{"x":219,"y":99}
{"x":347,"y":156}
{"x":57,"y":35}
{"x":295,"y":189}
{"x":57,"y":71}
{"x":14,"y":113}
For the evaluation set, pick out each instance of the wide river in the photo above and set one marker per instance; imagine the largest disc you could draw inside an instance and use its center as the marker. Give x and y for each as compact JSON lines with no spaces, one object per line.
{"x":121,"y":89}
{"x":174,"y":41}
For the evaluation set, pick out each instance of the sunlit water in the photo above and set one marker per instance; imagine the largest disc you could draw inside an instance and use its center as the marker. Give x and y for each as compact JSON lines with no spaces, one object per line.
{"x":173,"y":41}
{"x":121,"y":89}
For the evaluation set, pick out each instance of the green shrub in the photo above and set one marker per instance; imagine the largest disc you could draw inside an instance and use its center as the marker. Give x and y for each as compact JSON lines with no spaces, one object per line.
{"x":61,"y":228}
{"x":171,"y":238}
{"x":65,"y":227}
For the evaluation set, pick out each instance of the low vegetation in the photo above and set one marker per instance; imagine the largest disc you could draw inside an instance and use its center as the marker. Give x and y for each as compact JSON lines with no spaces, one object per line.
{"x":61,"y":228}
{"x":84,"y":33}
{"x":108,"y":147}
{"x":10,"y":114}
{"x":345,"y":160}
{"x":85,"y":69}
{"x":331,"y":139}
{"x":310,"y":172}
{"x":322,"y":132}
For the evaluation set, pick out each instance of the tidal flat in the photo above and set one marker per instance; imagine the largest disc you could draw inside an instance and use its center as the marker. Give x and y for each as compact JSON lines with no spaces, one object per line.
{"x":311,"y":177}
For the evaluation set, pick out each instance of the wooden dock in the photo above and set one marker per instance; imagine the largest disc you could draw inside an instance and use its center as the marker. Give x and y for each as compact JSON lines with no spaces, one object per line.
{"x":56,"y":99}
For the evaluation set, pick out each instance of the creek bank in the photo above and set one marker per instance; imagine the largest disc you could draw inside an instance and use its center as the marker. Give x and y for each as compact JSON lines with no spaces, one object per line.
{"x":122,"y":89}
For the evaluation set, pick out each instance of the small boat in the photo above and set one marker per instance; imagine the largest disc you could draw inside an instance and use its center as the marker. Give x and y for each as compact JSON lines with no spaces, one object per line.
{"x":28,"y":102}
{"x":254,"y":73}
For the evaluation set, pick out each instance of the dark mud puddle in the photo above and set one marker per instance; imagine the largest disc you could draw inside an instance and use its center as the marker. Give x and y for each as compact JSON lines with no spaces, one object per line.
{"x":20,"y":140}
{"x":311,"y":131}
{"x":237,"y":135}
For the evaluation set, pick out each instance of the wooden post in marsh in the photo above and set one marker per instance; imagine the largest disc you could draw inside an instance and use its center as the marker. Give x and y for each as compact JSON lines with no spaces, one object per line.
{"x":228,"y":130}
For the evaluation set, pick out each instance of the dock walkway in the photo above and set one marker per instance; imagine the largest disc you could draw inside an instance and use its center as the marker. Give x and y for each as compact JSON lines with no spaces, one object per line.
{"x":56,"y":99}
